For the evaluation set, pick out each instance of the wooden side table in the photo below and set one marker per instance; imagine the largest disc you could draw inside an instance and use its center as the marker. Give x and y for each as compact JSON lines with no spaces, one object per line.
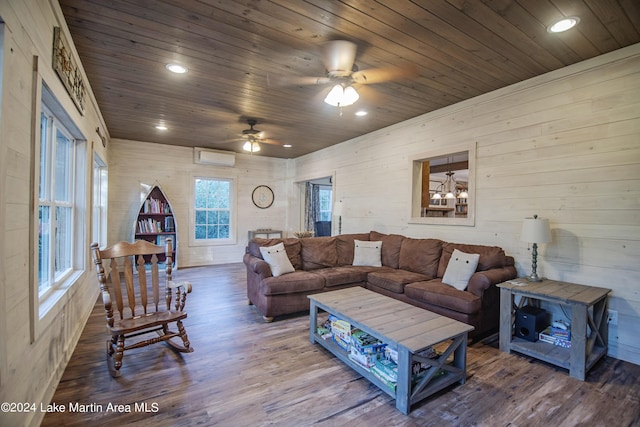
{"x":589,"y":329}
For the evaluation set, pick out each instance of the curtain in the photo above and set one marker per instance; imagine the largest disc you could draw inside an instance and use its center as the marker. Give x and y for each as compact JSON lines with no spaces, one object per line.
{"x":312,"y":206}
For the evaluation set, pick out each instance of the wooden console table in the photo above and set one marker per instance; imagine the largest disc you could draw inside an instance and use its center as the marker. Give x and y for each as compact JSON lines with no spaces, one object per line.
{"x":588,"y":306}
{"x":406,"y":328}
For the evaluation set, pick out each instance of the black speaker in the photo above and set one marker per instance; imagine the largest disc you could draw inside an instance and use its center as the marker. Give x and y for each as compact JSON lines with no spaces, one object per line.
{"x":529,"y":321}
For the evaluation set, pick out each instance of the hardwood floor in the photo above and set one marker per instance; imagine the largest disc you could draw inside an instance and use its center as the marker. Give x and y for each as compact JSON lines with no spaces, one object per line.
{"x":247,"y":372}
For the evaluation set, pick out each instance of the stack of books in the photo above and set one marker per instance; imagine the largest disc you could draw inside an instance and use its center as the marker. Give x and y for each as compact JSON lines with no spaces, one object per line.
{"x":386,"y":371}
{"x":386,"y":368}
{"x":556,"y":336}
{"x":365,"y":349}
{"x":341,"y":332}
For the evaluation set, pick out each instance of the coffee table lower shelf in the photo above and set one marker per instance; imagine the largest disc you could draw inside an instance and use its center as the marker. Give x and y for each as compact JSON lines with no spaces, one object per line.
{"x":428,"y":388}
{"x":447,"y":369}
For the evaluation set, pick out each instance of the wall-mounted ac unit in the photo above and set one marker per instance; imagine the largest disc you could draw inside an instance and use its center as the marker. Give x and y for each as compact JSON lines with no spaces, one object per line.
{"x":204,"y":156}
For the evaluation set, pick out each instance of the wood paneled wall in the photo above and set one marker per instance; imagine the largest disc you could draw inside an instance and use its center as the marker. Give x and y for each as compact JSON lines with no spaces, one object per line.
{"x":136,"y":166}
{"x":565,"y":146}
{"x":34,"y":347}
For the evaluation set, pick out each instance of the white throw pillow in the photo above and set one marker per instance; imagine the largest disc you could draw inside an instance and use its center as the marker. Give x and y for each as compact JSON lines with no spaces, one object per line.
{"x":367,"y":253}
{"x":276,"y":257}
{"x":460,"y":269}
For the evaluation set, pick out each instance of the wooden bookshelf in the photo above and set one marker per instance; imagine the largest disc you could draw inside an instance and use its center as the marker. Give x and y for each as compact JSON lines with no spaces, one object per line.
{"x":155,"y":222}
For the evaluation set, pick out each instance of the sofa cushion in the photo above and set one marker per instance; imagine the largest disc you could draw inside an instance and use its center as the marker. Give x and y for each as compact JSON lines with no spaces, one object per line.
{"x":291,"y":245}
{"x":319,"y":252}
{"x":344,"y":246}
{"x":391,"y":244}
{"x":421,"y":256}
{"x":460,"y":269}
{"x":298,"y":281}
{"x":337,"y":276}
{"x":367,"y":253}
{"x":437,"y":293}
{"x":490,"y":256}
{"x":394,"y":280}
{"x":276,"y":257}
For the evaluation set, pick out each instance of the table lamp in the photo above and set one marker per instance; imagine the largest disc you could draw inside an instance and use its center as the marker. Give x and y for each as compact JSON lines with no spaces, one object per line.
{"x":535,"y":230}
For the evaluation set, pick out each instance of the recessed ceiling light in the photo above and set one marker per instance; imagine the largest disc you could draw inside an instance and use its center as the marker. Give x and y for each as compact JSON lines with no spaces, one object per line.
{"x":161,"y":127}
{"x":361,"y":113}
{"x":563,"y":25}
{"x":176,"y":68}
{"x":287,"y":145}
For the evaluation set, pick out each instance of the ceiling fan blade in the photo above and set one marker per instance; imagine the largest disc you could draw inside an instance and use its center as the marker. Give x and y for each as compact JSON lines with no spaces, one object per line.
{"x":279,"y":81}
{"x":339,"y":56}
{"x":385,"y":74}
{"x":270,"y":141}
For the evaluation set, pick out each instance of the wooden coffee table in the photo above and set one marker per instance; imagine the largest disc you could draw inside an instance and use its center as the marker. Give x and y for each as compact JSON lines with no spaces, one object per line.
{"x":404,"y":327}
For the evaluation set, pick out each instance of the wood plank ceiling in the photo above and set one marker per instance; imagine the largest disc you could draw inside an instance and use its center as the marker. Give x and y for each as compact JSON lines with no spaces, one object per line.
{"x":462,"y":49}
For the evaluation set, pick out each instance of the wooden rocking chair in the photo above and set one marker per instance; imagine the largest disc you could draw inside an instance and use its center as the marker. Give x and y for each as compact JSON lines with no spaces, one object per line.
{"x":135,"y":314}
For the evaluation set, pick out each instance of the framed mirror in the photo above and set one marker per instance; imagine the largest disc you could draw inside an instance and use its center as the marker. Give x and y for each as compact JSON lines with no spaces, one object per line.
{"x":443,"y":186}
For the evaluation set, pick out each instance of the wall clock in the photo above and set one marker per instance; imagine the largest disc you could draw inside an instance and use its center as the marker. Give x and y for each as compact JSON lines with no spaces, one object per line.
{"x":262,"y":196}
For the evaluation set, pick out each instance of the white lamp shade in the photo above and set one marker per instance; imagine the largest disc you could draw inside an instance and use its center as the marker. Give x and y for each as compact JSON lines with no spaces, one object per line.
{"x":350,"y":96}
{"x":334,"y":97}
{"x":536,"y":230}
{"x":341,"y":97}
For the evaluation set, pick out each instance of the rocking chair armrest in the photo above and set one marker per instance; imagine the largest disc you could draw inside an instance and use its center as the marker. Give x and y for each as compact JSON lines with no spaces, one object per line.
{"x":175,"y":285}
{"x":106,"y":299}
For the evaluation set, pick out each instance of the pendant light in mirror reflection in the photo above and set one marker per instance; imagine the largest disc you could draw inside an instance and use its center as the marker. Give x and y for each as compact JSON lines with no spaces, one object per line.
{"x":443,"y":183}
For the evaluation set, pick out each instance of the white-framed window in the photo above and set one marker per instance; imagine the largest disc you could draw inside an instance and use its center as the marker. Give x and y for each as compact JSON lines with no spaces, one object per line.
{"x":325,"y":196}
{"x":61,"y":190}
{"x":214,"y":210}
{"x":100,"y":187}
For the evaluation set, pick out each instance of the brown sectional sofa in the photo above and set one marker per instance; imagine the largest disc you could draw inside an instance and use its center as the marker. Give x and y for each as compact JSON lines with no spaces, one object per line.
{"x":411,"y":271}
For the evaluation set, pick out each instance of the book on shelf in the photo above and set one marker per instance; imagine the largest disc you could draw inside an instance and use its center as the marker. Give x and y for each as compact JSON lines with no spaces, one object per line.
{"x":365,"y":343}
{"x":387,"y":369}
{"x":149,"y":226}
{"x":324,"y":333}
{"x":366,"y":361}
{"x":392,"y":385}
{"x":155,"y":206}
{"x":548,"y":337}
{"x":341,"y":331}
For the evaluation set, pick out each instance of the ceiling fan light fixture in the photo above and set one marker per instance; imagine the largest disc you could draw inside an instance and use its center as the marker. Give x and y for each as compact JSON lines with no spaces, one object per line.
{"x":335,"y":95}
{"x":350,"y":96}
{"x":563,"y":24}
{"x":341,"y":97}
{"x":252,"y":147}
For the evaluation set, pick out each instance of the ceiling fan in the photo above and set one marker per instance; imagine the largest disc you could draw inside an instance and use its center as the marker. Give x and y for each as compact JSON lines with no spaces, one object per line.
{"x":339,"y":61}
{"x":253,"y":138}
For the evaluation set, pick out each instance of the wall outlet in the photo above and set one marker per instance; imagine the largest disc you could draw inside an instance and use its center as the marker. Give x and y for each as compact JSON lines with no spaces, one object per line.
{"x":612,"y":317}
